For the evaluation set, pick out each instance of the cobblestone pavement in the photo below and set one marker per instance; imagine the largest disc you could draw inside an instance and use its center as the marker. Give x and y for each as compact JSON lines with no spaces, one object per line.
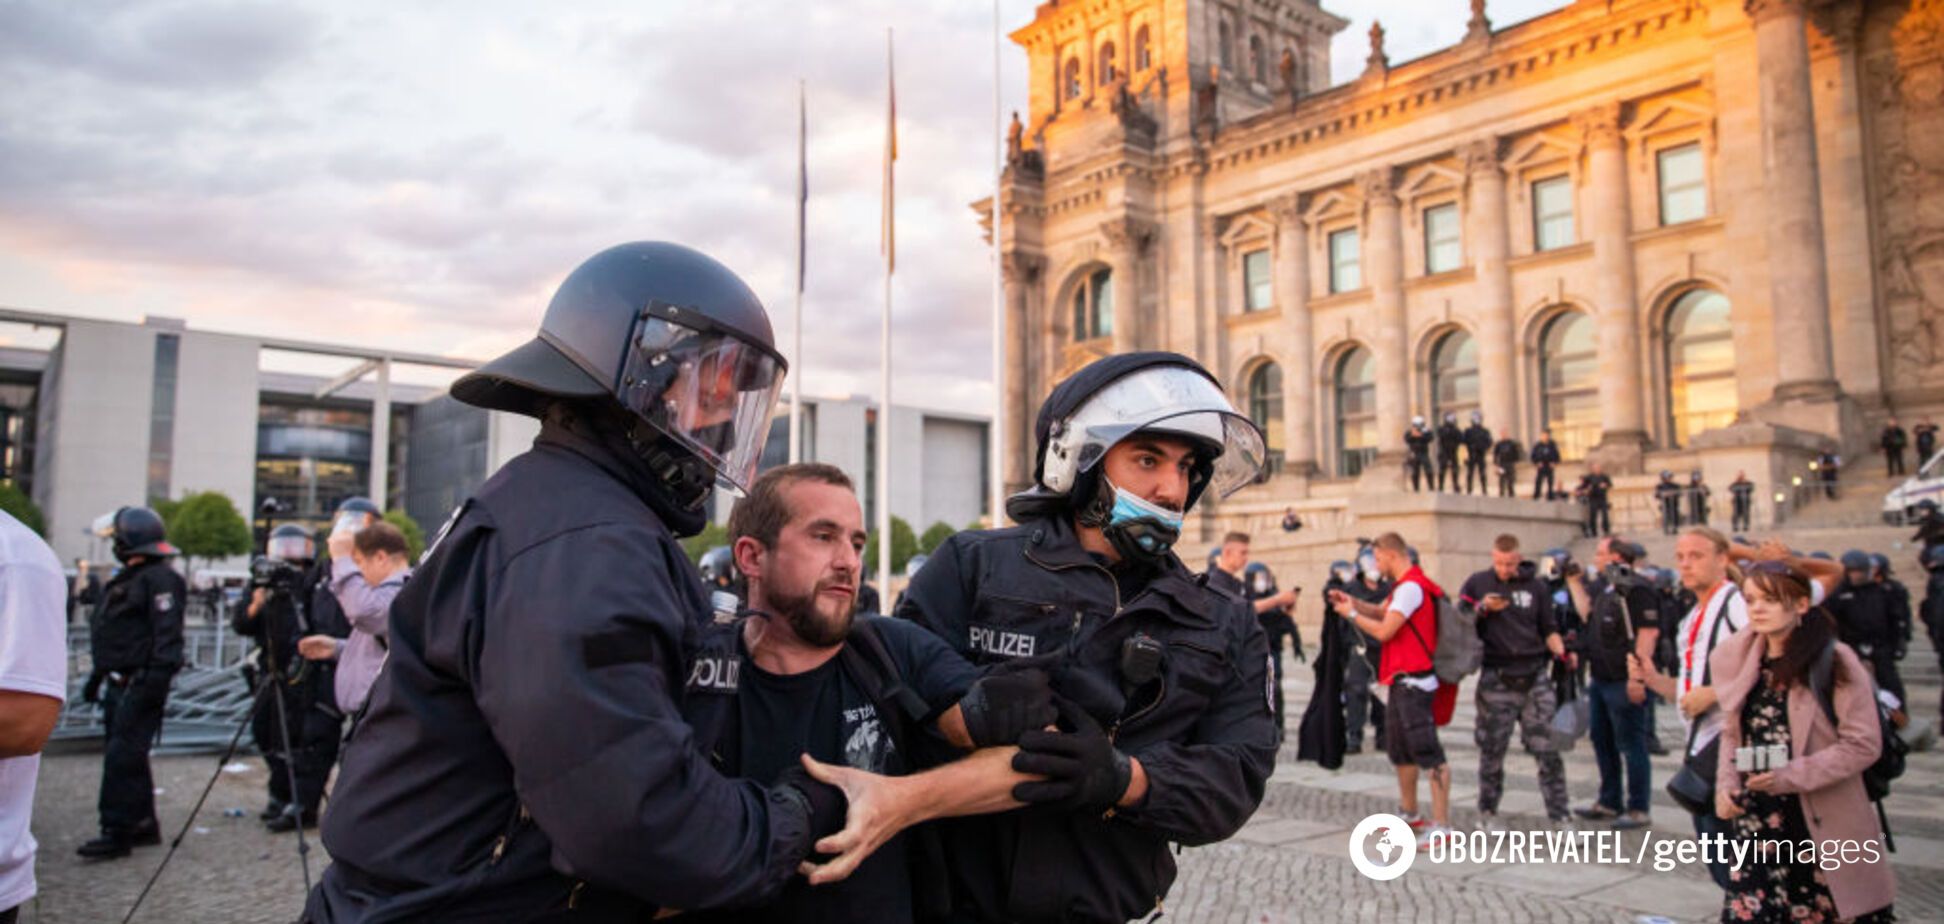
{"x":1290,"y":864}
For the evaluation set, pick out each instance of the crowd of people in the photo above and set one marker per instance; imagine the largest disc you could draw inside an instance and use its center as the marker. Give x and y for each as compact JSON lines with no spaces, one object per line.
{"x":554,"y":716}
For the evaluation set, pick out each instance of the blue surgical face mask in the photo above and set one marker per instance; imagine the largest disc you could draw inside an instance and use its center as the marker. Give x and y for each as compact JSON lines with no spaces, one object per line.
{"x":1139,"y":529}
{"x":1128,"y":507}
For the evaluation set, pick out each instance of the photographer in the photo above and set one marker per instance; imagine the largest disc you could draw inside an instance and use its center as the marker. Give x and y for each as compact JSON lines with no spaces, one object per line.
{"x":277,"y":617}
{"x":368,"y":569}
{"x":1624,"y":619}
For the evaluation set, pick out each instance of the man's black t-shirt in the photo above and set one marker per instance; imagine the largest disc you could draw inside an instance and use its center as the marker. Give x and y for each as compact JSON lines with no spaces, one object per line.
{"x":1607,"y":640}
{"x":828,"y":714}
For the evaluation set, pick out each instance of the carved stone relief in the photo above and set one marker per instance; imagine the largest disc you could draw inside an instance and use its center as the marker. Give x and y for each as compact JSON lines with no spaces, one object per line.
{"x":1904,"y":86}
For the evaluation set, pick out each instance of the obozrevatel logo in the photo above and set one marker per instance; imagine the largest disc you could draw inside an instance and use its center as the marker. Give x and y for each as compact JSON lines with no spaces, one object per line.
{"x":1382,"y":847}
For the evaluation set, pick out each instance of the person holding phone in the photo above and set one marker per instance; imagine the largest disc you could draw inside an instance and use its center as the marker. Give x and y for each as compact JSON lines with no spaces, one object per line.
{"x":1521,"y":639}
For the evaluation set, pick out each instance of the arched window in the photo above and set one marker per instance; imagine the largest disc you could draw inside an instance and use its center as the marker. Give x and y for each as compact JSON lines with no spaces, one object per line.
{"x":1073,"y":78}
{"x":1107,"y":65}
{"x":1266,"y":409}
{"x":1454,"y":376}
{"x":1143,"y":50}
{"x":1700,"y":365}
{"x":1258,"y":60}
{"x":1356,"y":411}
{"x":1228,"y":47}
{"x":1093,"y":306}
{"x":1569,"y":382}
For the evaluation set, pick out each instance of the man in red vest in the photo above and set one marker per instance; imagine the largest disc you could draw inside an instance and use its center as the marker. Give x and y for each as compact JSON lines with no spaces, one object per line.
{"x":1410,"y":614}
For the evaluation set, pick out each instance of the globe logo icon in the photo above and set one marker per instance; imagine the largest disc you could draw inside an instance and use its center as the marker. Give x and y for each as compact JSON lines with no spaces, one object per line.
{"x":1382,"y":847}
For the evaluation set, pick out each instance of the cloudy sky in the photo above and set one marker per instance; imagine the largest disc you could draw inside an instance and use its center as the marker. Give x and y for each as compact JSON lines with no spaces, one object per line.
{"x":422,"y":175}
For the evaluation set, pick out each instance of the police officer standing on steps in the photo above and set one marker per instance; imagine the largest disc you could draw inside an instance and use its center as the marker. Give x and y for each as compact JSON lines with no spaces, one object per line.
{"x":1669,"y":495}
{"x":1545,"y":458}
{"x":1505,"y":456}
{"x":1866,"y":620}
{"x":136,"y":639}
{"x":1418,"y":441}
{"x":522,"y":755}
{"x":1169,"y":734}
{"x":1449,"y":439}
{"x":1893,"y":441}
{"x":1926,"y":434}
{"x":1592,"y":491}
{"x":1697,"y":492}
{"x":1741,"y":493}
{"x":1478,"y":445}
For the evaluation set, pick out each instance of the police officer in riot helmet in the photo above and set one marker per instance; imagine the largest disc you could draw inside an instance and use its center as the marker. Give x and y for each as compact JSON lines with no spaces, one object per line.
{"x":136,"y":641}
{"x":1478,"y":446}
{"x":1866,"y":620}
{"x":1417,"y":441}
{"x":522,"y":753}
{"x":277,"y":617}
{"x":1450,"y":437}
{"x":1363,"y":581}
{"x":1167,"y":733}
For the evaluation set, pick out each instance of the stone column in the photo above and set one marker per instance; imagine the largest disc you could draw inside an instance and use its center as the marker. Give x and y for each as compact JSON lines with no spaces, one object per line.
{"x":1127,"y":240}
{"x":1021,"y":273}
{"x":1490,"y":238}
{"x":1292,"y":299}
{"x":1383,"y":259}
{"x":1798,"y":271}
{"x":1611,"y":229}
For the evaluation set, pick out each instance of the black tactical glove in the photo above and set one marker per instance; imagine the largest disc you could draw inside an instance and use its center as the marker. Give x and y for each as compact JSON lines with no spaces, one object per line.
{"x":1001,"y":706}
{"x":91,"y":691}
{"x":1083,"y":770}
{"x":827,"y":803}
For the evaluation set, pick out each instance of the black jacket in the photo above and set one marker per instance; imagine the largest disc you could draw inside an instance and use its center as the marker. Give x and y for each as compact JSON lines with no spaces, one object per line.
{"x":1478,"y":444}
{"x":525,"y":737}
{"x":1545,"y":453}
{"x":1419,"y":442}
{"x":1204,"y":733}
{"x":138,"y":625}
{"x":1449,"y":439}
{"x":1866,"y":616}
{"x":1894,"y":439}
{"x":1320,"y":735}
{"x":1506,"y":454}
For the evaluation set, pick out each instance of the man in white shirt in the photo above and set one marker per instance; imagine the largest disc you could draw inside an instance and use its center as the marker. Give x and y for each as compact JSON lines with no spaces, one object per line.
{"x":33,"y":685}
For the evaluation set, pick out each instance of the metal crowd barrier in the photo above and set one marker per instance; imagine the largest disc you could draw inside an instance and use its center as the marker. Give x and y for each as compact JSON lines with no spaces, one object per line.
{"x":207,"y":698}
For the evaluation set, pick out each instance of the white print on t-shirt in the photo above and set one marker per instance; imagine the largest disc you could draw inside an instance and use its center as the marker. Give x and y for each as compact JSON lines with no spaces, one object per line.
{"x":866,"y":746}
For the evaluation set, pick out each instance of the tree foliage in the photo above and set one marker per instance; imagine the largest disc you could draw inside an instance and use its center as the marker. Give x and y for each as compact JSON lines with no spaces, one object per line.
{"x":205,"y":525}
{"x":16,"y":502}
{"x":414,"y":536}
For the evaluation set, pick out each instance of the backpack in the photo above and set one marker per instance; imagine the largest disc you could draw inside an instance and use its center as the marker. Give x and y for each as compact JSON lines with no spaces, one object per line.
{"x":1889,"y":764}
{"x":1459,"y":653}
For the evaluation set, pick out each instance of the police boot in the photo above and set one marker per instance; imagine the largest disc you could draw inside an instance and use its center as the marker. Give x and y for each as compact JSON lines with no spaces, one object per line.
{"x":287,"y":821}
{"x":272,"y":809}
{"x":146,"y":834}
{"x":111,"y":845}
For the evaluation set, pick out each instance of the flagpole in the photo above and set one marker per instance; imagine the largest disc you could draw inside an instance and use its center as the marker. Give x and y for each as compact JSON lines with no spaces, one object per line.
{"x":996,"y":477}
{"x":884,"y":345}
{"x":796,"y":321}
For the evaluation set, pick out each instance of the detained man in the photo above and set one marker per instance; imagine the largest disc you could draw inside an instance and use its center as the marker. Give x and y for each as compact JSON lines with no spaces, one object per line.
{"x":802,"y":680}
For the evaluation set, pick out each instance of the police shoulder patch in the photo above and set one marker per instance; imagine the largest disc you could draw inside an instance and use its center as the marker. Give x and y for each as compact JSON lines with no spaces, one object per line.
{"x":164,"y":602}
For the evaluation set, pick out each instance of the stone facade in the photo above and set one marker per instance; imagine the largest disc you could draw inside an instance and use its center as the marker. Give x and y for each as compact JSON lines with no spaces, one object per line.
{"x":1700,"y":234}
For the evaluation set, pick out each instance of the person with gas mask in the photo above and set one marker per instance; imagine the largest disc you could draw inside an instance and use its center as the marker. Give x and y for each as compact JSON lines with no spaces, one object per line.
{"x":295,"y":724}
{"x":1478,"y":446}
{"x":136,"y":641}
{"x":1252,"y":583}
{"x":1168,"y":727}
{"x":1449,"y":439}
{"x":523,"y":752}
{"x":1417,"y":441}
{"x":1866,"y":620}
{"x":1365,"y":582}
{"x":1668,"y":493}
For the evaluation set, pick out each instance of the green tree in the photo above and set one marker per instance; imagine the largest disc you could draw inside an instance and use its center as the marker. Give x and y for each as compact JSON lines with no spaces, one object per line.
{"x":904,"y":544}
{"x":206,"y":525}
{"x":16,"y":502}
{"x":414,"y":536}
{"x":712,"y":535}
{"x":935,"y":536}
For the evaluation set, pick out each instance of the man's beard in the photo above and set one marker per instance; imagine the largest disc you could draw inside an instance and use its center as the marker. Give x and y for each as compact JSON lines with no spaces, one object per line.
{"x":811,"y":626}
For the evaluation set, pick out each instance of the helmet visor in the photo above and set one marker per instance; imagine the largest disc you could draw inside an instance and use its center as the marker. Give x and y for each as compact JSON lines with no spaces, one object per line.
{"x":708,"y":390}
{"x":289,"y":548}
{"x":1177,"y":401}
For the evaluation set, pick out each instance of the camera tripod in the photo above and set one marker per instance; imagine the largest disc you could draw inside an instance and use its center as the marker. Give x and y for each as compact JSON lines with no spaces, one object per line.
{"x":265,"y":685}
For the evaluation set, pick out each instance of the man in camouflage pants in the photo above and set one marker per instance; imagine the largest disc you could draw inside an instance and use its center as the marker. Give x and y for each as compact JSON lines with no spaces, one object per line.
{"x":1521,"y":639}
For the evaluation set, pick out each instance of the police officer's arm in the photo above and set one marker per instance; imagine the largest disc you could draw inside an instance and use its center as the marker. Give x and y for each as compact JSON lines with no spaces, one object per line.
{"x":575,"y":678}
{"x":1203,"y":789}
{"x":165,"y":595}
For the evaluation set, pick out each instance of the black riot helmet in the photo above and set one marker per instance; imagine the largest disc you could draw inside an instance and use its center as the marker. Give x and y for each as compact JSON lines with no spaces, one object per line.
{"x":671,"y":335}
{"x":1260,"y":580}
{"x":134,"y":531}
{"x":1343,"y":572}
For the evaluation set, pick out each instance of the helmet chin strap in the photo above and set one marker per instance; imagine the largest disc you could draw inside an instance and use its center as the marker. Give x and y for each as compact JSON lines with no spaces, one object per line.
{"x":689,"y":479}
